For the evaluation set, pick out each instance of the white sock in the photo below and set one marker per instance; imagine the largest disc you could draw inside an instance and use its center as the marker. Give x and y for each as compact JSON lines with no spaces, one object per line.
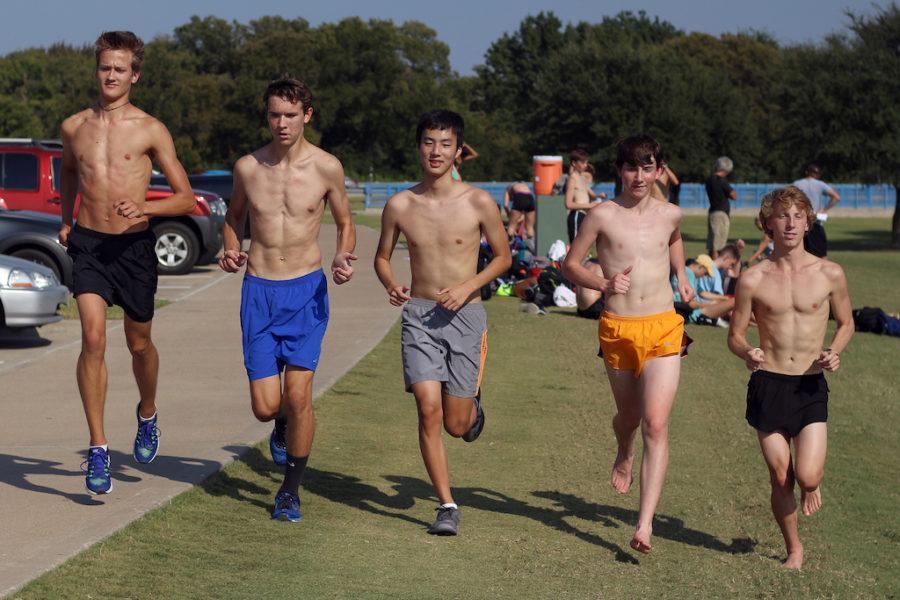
{"x":150,"y":418}
{"x":104,"y":446}
{"x":449,"y":505}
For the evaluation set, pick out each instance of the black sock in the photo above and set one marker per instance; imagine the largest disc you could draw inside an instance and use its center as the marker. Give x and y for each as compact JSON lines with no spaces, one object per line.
{"x":293,"y":474}
{"x":280,"y":429}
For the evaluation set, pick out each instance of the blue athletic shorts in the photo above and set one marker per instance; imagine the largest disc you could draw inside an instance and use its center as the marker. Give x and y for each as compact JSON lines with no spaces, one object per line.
{"x":283,"y":323}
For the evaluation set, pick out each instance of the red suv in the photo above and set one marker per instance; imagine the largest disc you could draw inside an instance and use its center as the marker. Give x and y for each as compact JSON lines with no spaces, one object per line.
{"x":29,"y":180}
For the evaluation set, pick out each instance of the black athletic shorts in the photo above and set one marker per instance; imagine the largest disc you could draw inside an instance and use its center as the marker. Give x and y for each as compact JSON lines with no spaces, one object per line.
{"x":120,"y":268}
{"x":522,"y":202}
{"x":573,"y":222}
{"x":815,"y":240}
{"x":787,"y":403}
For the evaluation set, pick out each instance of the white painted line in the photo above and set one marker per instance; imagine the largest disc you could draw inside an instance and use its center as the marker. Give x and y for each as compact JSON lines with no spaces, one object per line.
{"x":202,"y":288}
{"x":174,"y":287}
{"x":109,"y":325}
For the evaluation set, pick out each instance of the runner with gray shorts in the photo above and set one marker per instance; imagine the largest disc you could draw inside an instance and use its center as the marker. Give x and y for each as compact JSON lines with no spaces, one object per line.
{"x":443,"y":337}
{"x":440,"y":345}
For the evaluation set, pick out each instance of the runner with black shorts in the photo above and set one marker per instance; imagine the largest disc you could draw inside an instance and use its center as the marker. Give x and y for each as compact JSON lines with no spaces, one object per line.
{"x":107,"y":152}
{"x":787,"y":396}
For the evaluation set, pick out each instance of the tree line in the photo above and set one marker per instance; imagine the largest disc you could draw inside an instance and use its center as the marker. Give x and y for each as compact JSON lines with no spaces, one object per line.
{"x":546,"y":88}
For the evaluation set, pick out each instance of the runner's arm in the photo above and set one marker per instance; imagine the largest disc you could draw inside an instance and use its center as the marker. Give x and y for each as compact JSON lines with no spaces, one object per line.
{"x":68,"y":178}
{"x":740,"y":316}
{"x":182,"y":202}
{"x":676,"y":260}
{"x":573,"y":267}
{"x":233,"y":258}
{"x":336,"y":197}
{"x":236,"y":216}
{"x":841,"y":308}
{"x":390,"y":233}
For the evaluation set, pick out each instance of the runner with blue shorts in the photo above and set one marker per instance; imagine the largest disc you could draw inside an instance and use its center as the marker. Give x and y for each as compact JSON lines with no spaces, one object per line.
{"x":284,"y":187}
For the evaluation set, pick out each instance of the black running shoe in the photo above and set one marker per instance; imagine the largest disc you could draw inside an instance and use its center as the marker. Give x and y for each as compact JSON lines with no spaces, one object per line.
{"x":446,"y":523}
{"x":472,"y":434}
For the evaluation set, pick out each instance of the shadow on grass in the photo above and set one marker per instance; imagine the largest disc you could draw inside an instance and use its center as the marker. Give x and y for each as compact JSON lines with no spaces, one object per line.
{"x":223,"y":484}
{"x":352,"y":491}
{"x":862,"y":239}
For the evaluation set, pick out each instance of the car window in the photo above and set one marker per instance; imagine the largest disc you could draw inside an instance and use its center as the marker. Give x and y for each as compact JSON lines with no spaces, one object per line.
{"x":20,"y":171}
{"x":56,"y":167}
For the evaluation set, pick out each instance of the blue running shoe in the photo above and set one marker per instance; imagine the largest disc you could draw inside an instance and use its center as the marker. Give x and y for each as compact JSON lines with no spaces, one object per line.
{"x":96,"y":471}
{"x":287,"y":507}
{"x":146,"y":442}
{"x":277,"y":446}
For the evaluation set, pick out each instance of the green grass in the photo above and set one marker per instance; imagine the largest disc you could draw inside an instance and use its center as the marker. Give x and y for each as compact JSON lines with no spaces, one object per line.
{"x":69,"y":310}
{"x":539,"y":517}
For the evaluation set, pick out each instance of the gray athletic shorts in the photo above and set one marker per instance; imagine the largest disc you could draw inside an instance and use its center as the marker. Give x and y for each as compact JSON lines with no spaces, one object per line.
{"x":441,"y":345}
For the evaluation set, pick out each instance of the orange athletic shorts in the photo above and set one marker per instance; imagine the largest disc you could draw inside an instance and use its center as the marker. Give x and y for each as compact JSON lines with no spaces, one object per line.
{"x":628,"y":342}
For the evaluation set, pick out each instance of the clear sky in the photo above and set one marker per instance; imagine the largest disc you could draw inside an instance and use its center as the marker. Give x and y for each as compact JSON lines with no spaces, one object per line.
{"x":467,"y":26}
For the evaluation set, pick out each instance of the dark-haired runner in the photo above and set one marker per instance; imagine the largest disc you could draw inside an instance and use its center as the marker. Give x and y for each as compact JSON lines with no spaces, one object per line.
{"x":107,"y":152}
{"x":284,"y":187}
{"x":638,"y":241}
{"x":444,"y":327}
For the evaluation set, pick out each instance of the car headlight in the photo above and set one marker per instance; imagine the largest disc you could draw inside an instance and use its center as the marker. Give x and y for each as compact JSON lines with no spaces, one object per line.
{"x":24,"y":280}
{"x":42,"y":281}
{"x":19,"y":279}
{"x":218,"y":207}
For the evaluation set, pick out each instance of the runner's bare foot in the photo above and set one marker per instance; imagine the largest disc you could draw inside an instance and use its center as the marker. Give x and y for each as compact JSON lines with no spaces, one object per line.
{"x":811,"y":501}
{"x":794,"y":559}
{"x":641,"y":542}
{"x":621,"y":472}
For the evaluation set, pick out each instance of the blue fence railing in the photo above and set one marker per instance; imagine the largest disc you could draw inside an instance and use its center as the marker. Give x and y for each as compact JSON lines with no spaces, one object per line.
{"x":693,"y":195}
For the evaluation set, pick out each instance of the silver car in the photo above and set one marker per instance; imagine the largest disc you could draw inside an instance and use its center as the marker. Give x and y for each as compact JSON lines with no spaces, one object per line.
{"x":29,"y":293}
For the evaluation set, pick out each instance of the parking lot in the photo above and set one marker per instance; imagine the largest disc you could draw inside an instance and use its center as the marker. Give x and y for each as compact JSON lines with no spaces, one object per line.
{"x":21,"y":347}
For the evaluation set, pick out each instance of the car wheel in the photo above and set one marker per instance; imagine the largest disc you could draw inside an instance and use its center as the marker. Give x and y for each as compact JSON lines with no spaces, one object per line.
{"x":40,"y":257}
{"x":176,"y":248}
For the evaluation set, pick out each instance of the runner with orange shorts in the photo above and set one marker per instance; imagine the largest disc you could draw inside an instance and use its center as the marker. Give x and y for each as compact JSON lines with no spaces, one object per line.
{"x":638,"y":241}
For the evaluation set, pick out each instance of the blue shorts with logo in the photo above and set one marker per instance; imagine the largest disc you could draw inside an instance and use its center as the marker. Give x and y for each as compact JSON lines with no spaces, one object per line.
{"x":283,"y":322}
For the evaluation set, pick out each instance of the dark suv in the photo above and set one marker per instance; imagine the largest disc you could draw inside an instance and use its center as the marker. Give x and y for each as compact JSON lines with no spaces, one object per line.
{"x":29,"y":180}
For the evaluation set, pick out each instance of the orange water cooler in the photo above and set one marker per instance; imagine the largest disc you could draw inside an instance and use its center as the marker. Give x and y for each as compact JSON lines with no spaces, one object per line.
{"x":547,"y":169}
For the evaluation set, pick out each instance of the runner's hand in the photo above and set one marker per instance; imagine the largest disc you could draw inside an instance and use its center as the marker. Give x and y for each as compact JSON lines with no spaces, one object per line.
{"x":685,"y":289}
{"x":232,"y":261}
{"x":829,"y":360}
{"x":453,"y":298}
{"x":618,"y":283}
{"x":754,"y":359}
{"x":341,"y":269}
{"x":398,"y":294}
{"x":64,"y":234}
{"x":128,"y":208}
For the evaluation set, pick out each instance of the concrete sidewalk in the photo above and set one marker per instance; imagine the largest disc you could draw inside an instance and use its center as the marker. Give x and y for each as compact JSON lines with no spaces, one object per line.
{"x":47,"y":516}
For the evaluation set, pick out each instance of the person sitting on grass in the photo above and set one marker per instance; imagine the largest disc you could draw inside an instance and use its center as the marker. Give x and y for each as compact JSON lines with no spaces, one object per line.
{"x":723,"y":277}
{"x":708,"y":310}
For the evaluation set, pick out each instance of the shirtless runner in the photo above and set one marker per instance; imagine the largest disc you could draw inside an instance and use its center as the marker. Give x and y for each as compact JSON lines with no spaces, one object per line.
{"x":107,"y":154}
{"x":638,"y":241}
{"x":284,"y":186}
{"x":444,"y":328}
{"x":787,"y":397}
